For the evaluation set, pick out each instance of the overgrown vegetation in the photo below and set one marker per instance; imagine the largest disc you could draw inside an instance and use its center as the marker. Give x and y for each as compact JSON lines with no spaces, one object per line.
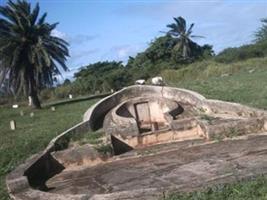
{"x":96,"y":139}
{"x":104,"y":149}
{"x":244,"y":52}
{"x":89,"y":137}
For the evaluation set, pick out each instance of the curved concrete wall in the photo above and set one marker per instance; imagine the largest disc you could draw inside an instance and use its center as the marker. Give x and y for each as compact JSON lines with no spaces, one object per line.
{"x":95,"y":114}
{"x":122,"y":119}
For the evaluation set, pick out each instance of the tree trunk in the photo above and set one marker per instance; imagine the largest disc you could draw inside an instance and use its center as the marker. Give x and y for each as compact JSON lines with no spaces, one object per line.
{"x":33,"y":94}
{"x":35,"y":100}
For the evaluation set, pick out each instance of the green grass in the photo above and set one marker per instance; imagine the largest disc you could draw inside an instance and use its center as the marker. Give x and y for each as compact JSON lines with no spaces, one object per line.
{"x":96,"y":140}
{"x":90,"y":137}
{"x":33,"y":133}
{"x":104,"y":149}
{"x":254,"y":189}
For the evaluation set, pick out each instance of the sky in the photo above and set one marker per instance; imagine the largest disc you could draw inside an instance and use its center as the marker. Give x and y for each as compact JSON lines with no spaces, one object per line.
{"x":99,"y":30}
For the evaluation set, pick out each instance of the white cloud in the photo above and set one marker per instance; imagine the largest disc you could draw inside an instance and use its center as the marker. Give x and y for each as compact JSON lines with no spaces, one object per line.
{"x":122,"y":52}
{"x":81,"y":38}
{"x":57,"y":33}
{"x":223,"y":23}
{"x":81,"y":53}
{"x":78,"y":54}
{"x":75,"y":39}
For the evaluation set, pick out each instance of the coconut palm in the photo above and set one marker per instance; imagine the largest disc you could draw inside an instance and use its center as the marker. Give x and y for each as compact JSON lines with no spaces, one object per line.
{"x":183,"y":35}
{"x":30,"y":55}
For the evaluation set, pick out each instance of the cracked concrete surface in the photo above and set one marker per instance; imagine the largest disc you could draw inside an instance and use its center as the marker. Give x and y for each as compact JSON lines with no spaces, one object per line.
{"x":183,"y":165}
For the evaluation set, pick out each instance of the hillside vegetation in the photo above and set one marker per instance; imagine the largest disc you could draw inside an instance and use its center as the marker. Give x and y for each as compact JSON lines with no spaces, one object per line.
{"x":244,"y":82}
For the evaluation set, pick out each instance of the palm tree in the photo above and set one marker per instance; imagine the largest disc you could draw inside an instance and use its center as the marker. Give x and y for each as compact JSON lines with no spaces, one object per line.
{"x":30,"y":55}
{"x":183,"y":36}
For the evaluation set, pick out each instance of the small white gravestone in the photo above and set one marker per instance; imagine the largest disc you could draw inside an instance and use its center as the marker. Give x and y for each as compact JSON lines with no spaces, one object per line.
{"x":12,"y":125}
{"x":70,"y":96}
{"x":53,"y":108}
{"x":224,"y":75}
{"x":15,"y":106}
{"x":140,"y":82}
{"x":30,"y":100}
{"x":251,"y":71}
{"x":32,"y":114}
{"x":21,"y":113}
{"x":111,"y":90}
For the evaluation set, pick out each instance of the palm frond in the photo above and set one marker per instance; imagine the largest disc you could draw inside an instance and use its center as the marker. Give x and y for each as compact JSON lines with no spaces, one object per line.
{"x":197,"y":36}
{"x":34,"y":14}
{"x":189,"y":31}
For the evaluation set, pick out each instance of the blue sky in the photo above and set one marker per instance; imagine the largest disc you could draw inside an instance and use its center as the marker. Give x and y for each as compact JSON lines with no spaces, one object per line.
{"x":99,"y":30}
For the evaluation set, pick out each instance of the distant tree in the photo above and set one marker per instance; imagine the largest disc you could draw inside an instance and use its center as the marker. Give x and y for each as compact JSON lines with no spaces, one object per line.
{"x":207,"y":51}
{"x":160,"y":48}
{"x":67,"y":81}
{"x":29,"y":54}
{"x":261,"y":34}
{"x":102,"y":76}
{"x":183,"y":36}
{"x":243,"y":52}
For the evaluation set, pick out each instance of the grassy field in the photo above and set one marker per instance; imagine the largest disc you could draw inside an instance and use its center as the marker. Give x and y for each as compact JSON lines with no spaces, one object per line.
{"x":33,"y":133}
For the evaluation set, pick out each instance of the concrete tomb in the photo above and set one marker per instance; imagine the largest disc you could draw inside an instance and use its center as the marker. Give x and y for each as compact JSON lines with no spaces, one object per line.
{"x":146,"y":141}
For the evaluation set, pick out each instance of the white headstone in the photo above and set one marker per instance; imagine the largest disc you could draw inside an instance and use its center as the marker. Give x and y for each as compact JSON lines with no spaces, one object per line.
{"x":12,"y":125}
{"x":70,"y":96}
{"x":53,"y":108}
{"x":15,"y":106}
{"x":30,"y":100}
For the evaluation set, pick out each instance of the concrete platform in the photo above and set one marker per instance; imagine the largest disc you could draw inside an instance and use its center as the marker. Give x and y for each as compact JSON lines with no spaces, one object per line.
{"x":183,"y":165}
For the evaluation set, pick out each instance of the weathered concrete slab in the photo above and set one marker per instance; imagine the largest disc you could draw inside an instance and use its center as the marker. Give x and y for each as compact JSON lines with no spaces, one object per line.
{"x":182,"y":166}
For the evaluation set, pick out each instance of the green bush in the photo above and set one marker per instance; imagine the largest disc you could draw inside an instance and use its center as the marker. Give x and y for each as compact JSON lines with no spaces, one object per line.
{"x":244,"y":52}
{"x":62,"y":91}
{"x":47,"y":94}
